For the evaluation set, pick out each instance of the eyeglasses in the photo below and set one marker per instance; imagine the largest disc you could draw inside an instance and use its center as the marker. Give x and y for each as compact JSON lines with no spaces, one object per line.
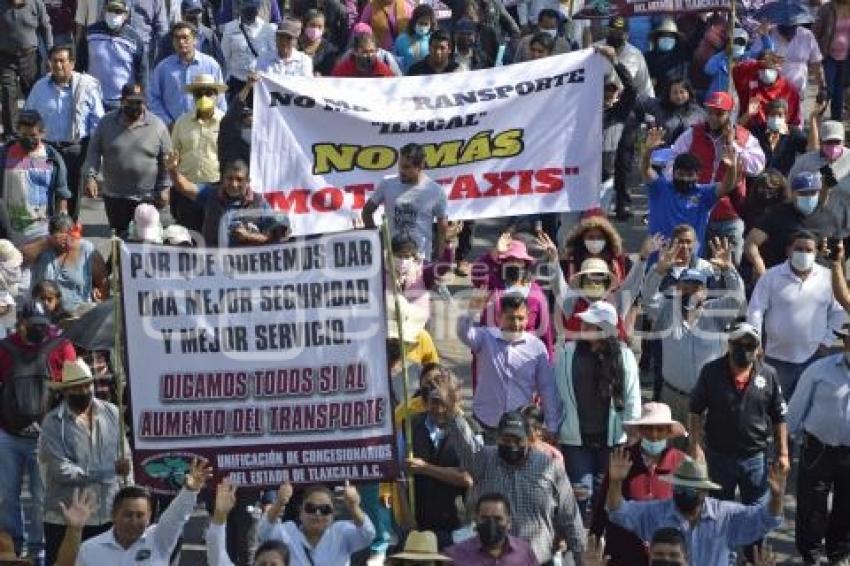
{"x":313,"y":509}
{"x":205,"y":92}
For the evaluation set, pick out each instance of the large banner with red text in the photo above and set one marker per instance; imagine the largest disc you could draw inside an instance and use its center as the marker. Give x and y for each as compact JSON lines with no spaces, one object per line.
{"x":513,"y":140}
{"x":270,"y":362}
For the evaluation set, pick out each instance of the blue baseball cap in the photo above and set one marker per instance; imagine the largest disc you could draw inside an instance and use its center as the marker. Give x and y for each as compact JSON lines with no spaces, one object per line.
{"x":693,"y":276}
{"x":806,"y":181}
{"x":661,"y":157}
{"x":191,"y":5}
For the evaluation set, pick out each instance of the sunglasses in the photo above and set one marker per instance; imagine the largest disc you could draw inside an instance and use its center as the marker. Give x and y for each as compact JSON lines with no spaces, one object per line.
{"x":313,"y":509}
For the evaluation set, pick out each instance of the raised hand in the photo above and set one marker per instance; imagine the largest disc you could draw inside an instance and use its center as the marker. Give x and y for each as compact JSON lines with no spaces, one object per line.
{"x":654,"y":138}
{"x":620,"y":464}
{"x":199,"y":472}
{"x":650,"y":245}
{"x":83,"y":503}
{"x":776,"y":478}
{"x":548,"y":246}
{"x":721,"y":254}
{"x":730,"y":155}
{"x":504,"y":242}
{"x":284,"y":493}
{"x":668,"y":255}
{"x":350,"y":496}
{"x":225,"y":500}
{"x":171,"y":160}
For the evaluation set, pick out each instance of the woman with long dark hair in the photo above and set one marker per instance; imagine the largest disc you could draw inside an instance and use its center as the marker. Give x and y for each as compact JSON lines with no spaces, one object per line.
{"x":676,"y":109}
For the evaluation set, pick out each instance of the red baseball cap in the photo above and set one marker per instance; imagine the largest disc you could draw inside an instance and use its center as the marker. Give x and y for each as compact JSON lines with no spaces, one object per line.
{"x":720,"y":100}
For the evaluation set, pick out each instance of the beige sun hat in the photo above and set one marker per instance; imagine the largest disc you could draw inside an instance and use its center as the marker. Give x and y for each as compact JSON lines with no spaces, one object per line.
{"x":658,"y":414}
{"x":421,"y":545}
{"x":205,"y":81}
{"x":74,"y":373}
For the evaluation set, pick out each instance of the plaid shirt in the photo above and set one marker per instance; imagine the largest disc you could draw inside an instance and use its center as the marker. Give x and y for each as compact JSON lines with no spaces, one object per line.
{"x":542,"y":502}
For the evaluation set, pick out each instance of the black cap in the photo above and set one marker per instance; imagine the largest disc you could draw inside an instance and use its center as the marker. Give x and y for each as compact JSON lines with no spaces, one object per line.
{"x":514,"y":423}
{"x":618,"y":23}
{"x":34,"y":312}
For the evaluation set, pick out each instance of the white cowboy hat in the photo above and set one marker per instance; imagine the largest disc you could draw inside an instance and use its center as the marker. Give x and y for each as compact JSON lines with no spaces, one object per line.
{"x":205,"y":80}
{"x":658,"y":414}
{"x":74,"y":373}
{"x":421,"y":545}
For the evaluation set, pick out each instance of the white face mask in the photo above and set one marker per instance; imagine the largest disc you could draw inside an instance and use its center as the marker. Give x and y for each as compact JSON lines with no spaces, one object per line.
{"x":803,"y":261}
{"x":521,"y":290}
{"x":553,"y":33}
{"x":776,"y":123}
{"x":666,"y":43}
{"x":594,"y":245}
{"x":114,"y":21}
{"x":738,"y":51}
{"x":768,"y":76}
{"x":405,"y":265}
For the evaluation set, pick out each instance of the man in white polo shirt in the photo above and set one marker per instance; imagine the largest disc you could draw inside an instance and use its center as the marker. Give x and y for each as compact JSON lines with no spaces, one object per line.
{"x":132,"y":539}
{"x":794,"y":301}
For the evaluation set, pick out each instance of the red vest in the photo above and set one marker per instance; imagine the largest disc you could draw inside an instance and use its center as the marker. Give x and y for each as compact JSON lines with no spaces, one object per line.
{"x":702,"y":145}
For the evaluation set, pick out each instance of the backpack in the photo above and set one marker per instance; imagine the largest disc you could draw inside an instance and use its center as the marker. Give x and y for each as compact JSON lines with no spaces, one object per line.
{"x":25,"y":398}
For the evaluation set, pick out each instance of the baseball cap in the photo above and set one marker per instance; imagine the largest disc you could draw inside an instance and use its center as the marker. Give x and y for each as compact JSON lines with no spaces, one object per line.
{"x":34,"y":312}
{"x":465,"y":25}
{"x":693,"y":276}
{"x":176,"y":235}
{"x":806,"y":181}
{"x":513,"y":423}
{"x":721,"y":101}
{"x":832,"y":130}
{"x":600,"y":313}
{"x":741,"y":329}
{"x":618,"y":23}
{"x":290,"y":27}
{"x":116,"y":5}
{"x":191,"y":5}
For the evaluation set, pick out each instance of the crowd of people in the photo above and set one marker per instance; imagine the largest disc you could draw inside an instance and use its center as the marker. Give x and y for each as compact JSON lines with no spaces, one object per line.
{"x":732,"y":311}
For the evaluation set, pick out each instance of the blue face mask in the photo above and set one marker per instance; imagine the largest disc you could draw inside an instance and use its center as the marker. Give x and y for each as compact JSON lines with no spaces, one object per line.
{"x":666,"y":43}
{"x":738,"y":51}
{"x":806,"y":204}
{"x":653,"y":447}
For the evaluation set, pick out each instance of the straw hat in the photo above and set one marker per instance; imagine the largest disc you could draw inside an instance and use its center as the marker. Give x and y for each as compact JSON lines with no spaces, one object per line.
{"x":690,"y":473}
{"x":74,"y":373}
{"x":658,"y":414}
{"x":205,"y":81}
{"x":595,"y":267}
{"x":413,"y":319}
{"x":421,"y":545}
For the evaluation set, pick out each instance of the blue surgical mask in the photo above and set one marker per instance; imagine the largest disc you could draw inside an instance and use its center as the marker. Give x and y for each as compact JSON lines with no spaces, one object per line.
{"x":738,"y":51}
{"x":423,"y":30}
{"x":806,"y":204}
{"x":775,"y":123}
{"x":666,"y":43}
{"x":653,"y":447}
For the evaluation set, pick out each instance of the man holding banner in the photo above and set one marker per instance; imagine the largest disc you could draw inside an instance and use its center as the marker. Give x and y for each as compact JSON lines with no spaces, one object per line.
{"x":411,"y":201}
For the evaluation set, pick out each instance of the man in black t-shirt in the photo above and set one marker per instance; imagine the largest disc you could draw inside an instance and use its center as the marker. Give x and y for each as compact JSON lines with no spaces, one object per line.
{"x":766,"y":243}
{"x":439,"y":59}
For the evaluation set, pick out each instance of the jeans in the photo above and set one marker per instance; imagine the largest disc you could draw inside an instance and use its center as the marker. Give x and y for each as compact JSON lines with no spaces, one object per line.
{"x":747,"y":474}
{"x":586,"y":468}
{"x":834,"y":72}
{"x":789,"y":373}
{"x":120,"y":211}
{"x":16,"y":70}
{"x":733,"y":230}
{"x":823,"y":469}
{"x":19,"y":455}
{"x":74,"y":155}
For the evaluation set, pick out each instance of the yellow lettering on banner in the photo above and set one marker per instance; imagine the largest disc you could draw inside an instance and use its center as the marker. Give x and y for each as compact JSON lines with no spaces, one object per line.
{"x":482,"y":146}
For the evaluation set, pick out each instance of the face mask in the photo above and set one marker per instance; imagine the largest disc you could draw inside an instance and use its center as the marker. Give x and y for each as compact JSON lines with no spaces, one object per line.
{"x":653,"y":447}
{"x":806,"y":205}
{"x":738,"y":51}
{"x":490,"y":533}
{"x":250,"y":14}
{"x":688,"y":500}
{"x":513,"y":273}
{"x":662,"y":562}
{"x":666,"y":43}
{"x":594,"y":246}
{"x":423,"y":30}
{"x":29,"y":143}
{"x":775,"y":123}
{"x":802,"y":261}
{"x":553,"y":33}
{"x":132,"y":113}
{"x":405,"y":266}
{"x":313,"y":34}
{"x":742,"y":357}
{"x":684,"y":185}
{"x":205,"y":103}
{"x":511,"y":455}
{"x":113,"y":21}
{"x":364,"y":63}
{"x":79,"y":402}
{"x":36,"y":334}
{"x":768,"y":76}
{"x":832,"y":151}
{"x":787,"y":31}
{"x":464,"y":43}
{"x":512,"y":335}
{"x":615,"y":40}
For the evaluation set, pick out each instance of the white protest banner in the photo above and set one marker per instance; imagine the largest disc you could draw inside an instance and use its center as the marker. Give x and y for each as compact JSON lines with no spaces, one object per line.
{"x":513,"y":140}
{"x":268,"y":361}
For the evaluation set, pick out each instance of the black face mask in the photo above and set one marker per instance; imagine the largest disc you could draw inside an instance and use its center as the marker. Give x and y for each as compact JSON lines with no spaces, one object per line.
{"x":512,"y":273}
{"x":662,"y":562}
{"x":684,"y":185}
{"x":364,"y":63}
{"x":615,"y":40}
{"x":741,"y":356}
{"x":79,"y":402}
{"x":490,"y":533}
{"x":464,"y":43}
{"x":249,"y":14}
{"x":132,"y":112}
{"x":512,"y":455}
{"x":36,"y":334}
{"x":29,"y":143}
{"x":688,"y":501}
{"x":786,"y":31}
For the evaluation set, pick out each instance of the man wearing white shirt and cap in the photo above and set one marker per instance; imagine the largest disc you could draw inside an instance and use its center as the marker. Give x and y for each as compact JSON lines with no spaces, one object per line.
{"x":287,"y":61}
{"x":795,"y":303}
